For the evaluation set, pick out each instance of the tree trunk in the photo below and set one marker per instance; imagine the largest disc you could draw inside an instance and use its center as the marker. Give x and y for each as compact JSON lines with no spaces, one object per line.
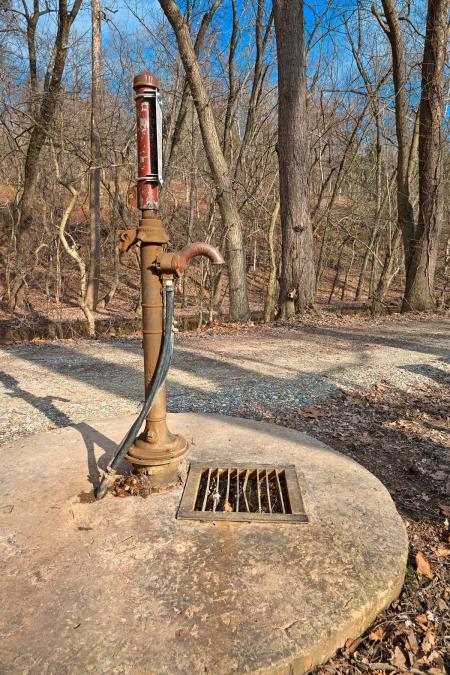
{"x":323,"y":251}
{"x":338,"y":269}
{"x":71,"y":250}
{"x":373,"y":269}
{"x":348,"y":272}
{"x":174,"y":140}
{"x":297,"y":283}
{"x":239,"y":307}
{"x":405,"y":213}
{"x":386,"y":273}
{"x":269,"y":304}
{"x":420,"y":272}
{"x":93,"y":281}
{"x":378,"y":202}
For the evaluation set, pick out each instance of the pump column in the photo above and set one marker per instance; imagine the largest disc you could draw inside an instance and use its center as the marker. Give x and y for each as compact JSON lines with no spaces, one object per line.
{"x":156,"y":451}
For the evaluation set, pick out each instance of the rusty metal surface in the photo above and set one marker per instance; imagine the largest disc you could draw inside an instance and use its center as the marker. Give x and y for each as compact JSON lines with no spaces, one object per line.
{"x":149,"y":171}
{"x":176,"y":262}
{"x":241,"y":493}
{"x":127,"y":239}
{"x":156,"y":451}
{"x":145,"y":79}
{"x":156,"y":447}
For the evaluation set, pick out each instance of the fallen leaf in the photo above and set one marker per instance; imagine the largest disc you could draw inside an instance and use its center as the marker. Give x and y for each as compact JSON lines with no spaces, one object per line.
{"x":423,"y":566}
{"x":445,"y":508}
{"x":443,"y":552}
{"x":421,"y":618}
{"x":428,"y":641}
{"x":377,"y":634}
{"x":352,"y":645}
{"x":310,"y":411}
{"x":442,"y":605}
{"x":412,"y":642}
{"x":399,"y":659}
{"x":380,"y":387}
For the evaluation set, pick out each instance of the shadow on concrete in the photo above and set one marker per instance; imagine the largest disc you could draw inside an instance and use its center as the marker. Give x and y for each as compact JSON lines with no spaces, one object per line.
{"x":246,"y":393}
{"x":46,"y":405}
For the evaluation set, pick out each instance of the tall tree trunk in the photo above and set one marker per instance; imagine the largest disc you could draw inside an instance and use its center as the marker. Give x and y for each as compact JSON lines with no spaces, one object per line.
{"x":38,"y":136}
{"x":323,"y":251}
{"x":405,"y":213}
{"x":338,"y":268}
{"x":297,"y":283}
{"x":93,"y":281}
{"x":374,"y":267}
{"x":262,"y":36}
{"x":239,"y":306}
{"x":174,"y":140}
{"x":269,"y":303}
{"x":369,"y":252}
{"x":386,"y":275}
{"x":349,"y":270}
{"x":420,"y":272}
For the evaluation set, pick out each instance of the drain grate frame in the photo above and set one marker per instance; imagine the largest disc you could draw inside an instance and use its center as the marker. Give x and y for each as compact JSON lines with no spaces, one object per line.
{"x":242,"y":493}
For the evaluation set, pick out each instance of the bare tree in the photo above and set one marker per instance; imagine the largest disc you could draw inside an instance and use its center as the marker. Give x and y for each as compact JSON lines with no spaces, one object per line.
{"x":180,"y":119}
{"x":45,"y":111}
{"x":239,"y":306}
{"x":422,"y":264}
{"x":269,"y":301}
{"x":392,"y":28}
{"x":297,"y":283}
{"x":93,"y":279}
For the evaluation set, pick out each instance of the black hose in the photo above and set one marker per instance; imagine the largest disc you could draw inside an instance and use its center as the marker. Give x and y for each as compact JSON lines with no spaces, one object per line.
{"x":158,"y":379}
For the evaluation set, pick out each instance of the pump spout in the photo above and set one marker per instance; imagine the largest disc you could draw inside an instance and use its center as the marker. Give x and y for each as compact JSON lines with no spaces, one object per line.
{"x":176,"y":262}
{"x":200,"y":248}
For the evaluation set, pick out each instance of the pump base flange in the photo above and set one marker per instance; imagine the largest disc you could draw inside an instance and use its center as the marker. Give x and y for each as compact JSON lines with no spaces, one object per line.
{"x":162,"y":462}
{"x":164,"y":477}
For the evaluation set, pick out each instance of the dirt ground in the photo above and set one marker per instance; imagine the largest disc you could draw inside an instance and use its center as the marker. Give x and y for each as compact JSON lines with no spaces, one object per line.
{"x":376,"y":390}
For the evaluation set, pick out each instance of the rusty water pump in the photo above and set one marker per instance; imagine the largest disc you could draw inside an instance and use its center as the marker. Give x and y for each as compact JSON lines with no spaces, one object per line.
{"x":156,"y":451}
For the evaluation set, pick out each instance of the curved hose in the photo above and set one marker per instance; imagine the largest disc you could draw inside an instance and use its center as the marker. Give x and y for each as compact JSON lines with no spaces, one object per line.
{"x":158,"y":379}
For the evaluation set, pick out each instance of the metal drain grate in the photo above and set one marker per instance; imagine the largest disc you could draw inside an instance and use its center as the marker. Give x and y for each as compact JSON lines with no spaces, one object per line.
{"x":238,"y":492}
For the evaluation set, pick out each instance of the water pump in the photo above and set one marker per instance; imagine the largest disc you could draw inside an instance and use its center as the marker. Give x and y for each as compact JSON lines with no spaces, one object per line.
{"x":156,"y":451}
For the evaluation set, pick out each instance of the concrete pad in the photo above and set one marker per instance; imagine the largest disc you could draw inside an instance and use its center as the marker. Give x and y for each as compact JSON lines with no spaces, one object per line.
{"x":121,"y":586}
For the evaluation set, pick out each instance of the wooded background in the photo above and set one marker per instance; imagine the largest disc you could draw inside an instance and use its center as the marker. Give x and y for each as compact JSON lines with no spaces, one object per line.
{"x":342,"y":104}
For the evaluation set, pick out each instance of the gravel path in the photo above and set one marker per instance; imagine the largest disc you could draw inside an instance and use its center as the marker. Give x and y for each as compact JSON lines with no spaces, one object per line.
{"x":61,"y":383}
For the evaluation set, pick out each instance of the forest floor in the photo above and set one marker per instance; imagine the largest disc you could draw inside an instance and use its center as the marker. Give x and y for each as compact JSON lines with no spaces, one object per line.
{"x":377,"y":390}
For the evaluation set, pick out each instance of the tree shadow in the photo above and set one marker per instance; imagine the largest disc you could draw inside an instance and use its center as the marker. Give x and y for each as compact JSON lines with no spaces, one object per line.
{"x":425,"y":370}
{"x":116,"y":378}
{"x":396,"y":340}
{"x":231,"y":389}
{"x":91,"y":436}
